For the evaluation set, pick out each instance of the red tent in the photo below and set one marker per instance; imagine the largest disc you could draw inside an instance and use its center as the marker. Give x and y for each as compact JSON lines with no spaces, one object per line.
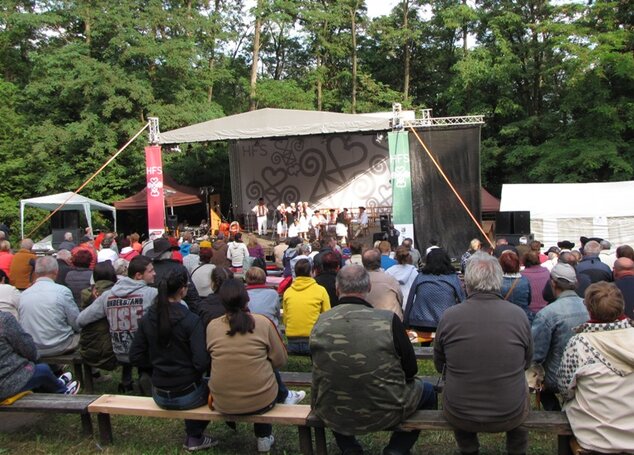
{"x":175,"y":196}
{"x":489,"y":202}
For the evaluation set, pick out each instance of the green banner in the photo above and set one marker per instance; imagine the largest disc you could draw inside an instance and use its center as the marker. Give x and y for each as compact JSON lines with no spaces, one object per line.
{"x":401,"y":183}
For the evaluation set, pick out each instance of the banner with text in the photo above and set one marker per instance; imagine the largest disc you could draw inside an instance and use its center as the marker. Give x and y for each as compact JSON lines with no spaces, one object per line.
{"x":155,"y":196}
{"x":401,"y":180}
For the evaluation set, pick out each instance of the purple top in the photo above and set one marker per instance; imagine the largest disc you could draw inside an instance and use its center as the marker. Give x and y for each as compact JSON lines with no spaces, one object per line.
{"x":537,"y":276}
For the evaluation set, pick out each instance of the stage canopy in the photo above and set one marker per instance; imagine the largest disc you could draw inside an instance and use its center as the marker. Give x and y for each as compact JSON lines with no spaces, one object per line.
{"x":76,"y":202}
{"x":489,"y":202}
{"x":566,"y":211}
{"x":274,"y":123}
{"x":175,"y":196}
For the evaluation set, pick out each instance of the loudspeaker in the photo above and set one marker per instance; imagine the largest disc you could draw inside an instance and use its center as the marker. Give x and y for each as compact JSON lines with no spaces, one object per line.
{"x":385,"y":221}
{"x":66,"y":219}
{"x":522,"y":222}
{"x":58,"y":236}
{"x":513,"y":222}
{"x":172,"y":222}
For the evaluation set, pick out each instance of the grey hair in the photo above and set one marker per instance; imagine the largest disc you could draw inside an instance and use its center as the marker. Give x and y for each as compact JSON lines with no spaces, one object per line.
{"x":68,"y":236}
{"x":303,"y":248}
{"x":121,"y":266}
{"x":592,"y":247}
{"x":27,"y":244}
{"x":194,"y":249}
{"x":605,"y":245}
{"x":483,"y":273}
{"x":352,"y":279}
{"x":46,"y":265}
{"x":64,"y":255}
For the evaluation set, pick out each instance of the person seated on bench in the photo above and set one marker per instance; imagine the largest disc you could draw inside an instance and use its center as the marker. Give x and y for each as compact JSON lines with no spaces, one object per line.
{"x":18,"y":370}
{"x":596,"y":375}
{"x":245,"y":349}
{"x":171,"y":342}
{"x":364,"y":369}
{"x":483,"y":346}
{"x":124,"y":306}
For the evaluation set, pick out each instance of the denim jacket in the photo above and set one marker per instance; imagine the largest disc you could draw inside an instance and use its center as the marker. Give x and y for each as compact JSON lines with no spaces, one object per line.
{"x":552,"y":328}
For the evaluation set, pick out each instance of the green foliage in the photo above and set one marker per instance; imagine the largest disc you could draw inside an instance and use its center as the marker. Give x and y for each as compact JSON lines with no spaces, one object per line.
{"x":78,"y":79}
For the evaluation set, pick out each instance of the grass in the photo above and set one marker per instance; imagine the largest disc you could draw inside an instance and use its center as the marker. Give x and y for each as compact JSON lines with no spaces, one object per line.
{"x":57,"y":434}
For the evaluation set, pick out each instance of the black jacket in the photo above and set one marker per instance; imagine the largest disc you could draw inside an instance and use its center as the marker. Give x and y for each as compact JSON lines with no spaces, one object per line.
{"x":184,"y":360}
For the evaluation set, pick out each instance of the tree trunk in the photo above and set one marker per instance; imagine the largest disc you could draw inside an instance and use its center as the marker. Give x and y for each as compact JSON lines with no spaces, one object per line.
{"x":212,"y":51}
{"x":406,"y":53}
{"x":256,"y":53}
{"x":319,"y":84}
{"x":465,"y":32}
{"x":353,"y":27}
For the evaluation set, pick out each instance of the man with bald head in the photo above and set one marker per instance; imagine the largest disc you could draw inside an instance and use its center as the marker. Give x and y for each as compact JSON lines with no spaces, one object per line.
{"x":624,"y":280}
{"x":386,"y":293}
{"x":21,"y":271}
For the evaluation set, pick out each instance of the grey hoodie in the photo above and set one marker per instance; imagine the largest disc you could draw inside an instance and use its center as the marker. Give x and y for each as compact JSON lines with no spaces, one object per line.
{"x":124,"y":306}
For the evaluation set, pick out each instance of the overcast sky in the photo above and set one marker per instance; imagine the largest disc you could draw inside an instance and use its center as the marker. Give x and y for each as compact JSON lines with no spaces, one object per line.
{"x":380,"y":7}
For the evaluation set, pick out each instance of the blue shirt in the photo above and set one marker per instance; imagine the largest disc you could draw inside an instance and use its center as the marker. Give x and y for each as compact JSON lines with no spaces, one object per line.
{"x":387,"y":262}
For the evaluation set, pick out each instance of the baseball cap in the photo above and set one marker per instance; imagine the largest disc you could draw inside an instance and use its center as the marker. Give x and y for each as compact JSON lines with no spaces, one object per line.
{"x":563,"y":272}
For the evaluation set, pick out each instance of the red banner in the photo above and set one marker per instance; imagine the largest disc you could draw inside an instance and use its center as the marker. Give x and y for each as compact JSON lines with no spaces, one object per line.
{"x":155,"y":196}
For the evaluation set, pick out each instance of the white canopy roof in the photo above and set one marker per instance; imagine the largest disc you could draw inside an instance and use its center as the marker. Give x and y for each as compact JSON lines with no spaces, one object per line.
{"x":570,"y":200}
{"x":76,"y":202}
{"x":274,"y":123}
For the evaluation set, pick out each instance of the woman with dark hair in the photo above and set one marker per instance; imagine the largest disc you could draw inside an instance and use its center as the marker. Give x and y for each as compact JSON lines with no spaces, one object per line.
{"x":211,"y":307}
{"x":434,"y":290}
{"x":171,"y":341}
{"x":245,"y":349}
{"x":538,"y":277}
{"x":78,"y":278}
{"x":515,"y":287}
{"x":95,"y":343}
{"x":201,"y":275}
{"x":596,"y":375}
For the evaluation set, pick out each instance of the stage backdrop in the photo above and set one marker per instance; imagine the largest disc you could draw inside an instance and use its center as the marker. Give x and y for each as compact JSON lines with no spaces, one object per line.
{"x":350,"y":170}
{"x":330,"y":171}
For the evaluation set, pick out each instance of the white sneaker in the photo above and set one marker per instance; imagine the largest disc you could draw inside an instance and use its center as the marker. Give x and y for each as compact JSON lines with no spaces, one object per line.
{"x":67,"y":378}
{"x":295,"y":397}
{"x":72,"y":388}
{"x":265,"y":443}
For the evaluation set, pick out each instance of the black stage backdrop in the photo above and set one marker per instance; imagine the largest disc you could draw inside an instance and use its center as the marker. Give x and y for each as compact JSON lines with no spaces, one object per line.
{"x":438,"y":215}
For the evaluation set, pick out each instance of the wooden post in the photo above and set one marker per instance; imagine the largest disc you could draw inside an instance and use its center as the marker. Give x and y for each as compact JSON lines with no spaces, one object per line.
{"x":86,"y":424}
{"x":305,"y":440}
{"x":320,"y":441}
{"x":87,"y":379}
{"x":105,"y":428}
{"x":563,"y":445}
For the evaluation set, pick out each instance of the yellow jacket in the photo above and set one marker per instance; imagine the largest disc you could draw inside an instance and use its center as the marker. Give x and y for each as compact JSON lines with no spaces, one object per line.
{"x":303,"y":302}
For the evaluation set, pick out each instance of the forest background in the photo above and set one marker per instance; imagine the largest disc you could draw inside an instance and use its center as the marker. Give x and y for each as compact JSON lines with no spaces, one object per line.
{"x":555,"y":82}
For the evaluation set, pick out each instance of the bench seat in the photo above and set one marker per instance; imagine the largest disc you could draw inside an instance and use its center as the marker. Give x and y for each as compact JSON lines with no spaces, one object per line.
{"x":298,"y":379}
{"x":281,"y":414}
{"x":540,"y":421}
{"x":47,"y":403}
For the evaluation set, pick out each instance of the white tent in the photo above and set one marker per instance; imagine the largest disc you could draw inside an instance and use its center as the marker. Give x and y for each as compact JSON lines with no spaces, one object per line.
{"x":275,"y":123}
{"x":566,"y":211}
{"x":76,"y":202}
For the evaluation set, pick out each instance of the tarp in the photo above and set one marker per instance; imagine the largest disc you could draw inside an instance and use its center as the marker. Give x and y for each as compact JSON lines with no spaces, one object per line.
{"x":274,"y":123}
{"x":489,"y":202}
{"x":566,"y":211}
{"x":175,"y":196}
{"x":76,"y":202}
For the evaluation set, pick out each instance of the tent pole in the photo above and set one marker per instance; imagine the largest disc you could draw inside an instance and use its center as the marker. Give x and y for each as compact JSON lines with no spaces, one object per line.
{"x":110,"y":160}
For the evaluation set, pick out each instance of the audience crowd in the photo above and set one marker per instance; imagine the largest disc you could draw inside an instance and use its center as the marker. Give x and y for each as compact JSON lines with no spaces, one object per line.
{"x":194,"y":315}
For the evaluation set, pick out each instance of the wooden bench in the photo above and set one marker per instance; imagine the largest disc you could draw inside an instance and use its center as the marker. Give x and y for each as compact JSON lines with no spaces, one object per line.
{"x":298,"y":379}
{"x":81,"y":371}
{"x":281,"y":414}
{"x":540,"y":421}
{"x":422,"y":353}
{"x":55,"y":403}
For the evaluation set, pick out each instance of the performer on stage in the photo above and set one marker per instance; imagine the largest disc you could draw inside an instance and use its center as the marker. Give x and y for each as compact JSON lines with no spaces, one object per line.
{"x":261,"y":211}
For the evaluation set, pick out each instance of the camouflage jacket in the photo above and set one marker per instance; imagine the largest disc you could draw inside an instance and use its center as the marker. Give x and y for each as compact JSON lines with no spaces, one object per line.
{"x":359,"y":385}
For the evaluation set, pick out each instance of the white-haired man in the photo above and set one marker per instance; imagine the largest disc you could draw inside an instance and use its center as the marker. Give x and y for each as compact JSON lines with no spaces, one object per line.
{"x":483,"y":347}
{"x":48,"y":311}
